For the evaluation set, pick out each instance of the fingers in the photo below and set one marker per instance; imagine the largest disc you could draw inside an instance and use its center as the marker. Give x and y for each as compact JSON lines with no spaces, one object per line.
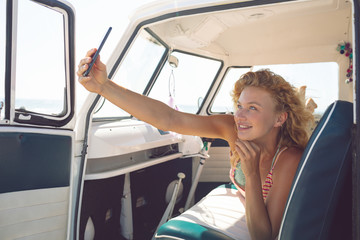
{"x":249,"y":154}
{"x":81,"y":69}
{"x":255,"y":147}
{"x":84,"y":63}
{"x":243,"y":146}
{"x":91,"y":52}
{"x":246,"y":150}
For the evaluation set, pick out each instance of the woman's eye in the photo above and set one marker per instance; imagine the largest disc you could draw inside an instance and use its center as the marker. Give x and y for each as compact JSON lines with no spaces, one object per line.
{"x":239,"y":106}
{"x":253,"y":108}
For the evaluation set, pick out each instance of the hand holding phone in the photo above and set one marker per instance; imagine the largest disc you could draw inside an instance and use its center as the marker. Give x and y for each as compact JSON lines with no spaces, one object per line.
{"x":97,"y":52}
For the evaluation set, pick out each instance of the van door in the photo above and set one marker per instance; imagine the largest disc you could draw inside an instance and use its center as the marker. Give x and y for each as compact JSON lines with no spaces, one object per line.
{"x":36,"y":118}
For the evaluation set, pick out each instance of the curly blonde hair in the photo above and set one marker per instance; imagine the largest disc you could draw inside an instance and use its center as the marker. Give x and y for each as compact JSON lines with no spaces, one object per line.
{"x":296,"y":129}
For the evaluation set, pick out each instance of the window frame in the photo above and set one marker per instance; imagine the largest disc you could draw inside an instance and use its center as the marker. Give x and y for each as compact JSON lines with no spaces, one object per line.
{"x":213,"y":82}
{"x":210,"y":105}
{"x":13,"y":116}
{"x":154,"y":76}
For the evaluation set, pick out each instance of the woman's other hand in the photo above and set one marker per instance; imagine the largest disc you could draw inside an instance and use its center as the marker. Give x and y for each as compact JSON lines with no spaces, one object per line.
{"x":249,"y":154}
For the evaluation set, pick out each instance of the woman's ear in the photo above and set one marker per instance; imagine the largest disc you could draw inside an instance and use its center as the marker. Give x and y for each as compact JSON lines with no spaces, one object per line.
{"x":281,"y":119}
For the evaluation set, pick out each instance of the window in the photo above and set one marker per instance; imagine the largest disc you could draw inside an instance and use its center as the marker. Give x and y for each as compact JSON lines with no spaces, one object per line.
{"x":313,"y":75}
{"x":40,"y":62}
{"x":2,"y":57}
{"x":135,"y":71}
{"x":223,"y":102}
{"x":188,"y":83}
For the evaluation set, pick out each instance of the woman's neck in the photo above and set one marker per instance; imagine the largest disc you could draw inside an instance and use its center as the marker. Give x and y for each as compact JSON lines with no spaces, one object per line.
{"x":269,"y":145}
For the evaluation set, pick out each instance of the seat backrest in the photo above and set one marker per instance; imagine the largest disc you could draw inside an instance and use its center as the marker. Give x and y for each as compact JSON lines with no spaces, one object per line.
{"x":320,"y":196}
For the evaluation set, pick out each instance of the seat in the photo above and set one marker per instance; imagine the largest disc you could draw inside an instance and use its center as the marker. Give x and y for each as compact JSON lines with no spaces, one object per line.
{"x":319,"y":203}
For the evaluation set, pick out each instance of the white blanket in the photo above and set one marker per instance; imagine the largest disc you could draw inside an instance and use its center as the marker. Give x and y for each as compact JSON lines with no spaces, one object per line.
{"x":222,"y":210}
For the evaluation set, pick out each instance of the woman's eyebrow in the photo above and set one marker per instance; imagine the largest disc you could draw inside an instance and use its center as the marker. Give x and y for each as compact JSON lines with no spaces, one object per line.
{"x":249,"y":103}
{"x":255,"y":103}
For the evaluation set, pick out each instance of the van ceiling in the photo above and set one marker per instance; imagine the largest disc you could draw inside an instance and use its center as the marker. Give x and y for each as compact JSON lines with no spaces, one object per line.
{"x":288,"y":32}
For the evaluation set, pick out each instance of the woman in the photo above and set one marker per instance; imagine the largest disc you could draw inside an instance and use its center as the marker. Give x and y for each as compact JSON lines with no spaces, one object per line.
{"x":267,"y":135}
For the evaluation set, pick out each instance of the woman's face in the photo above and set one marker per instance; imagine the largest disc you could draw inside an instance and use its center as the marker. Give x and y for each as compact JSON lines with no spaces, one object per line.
{"x":255,"y":116}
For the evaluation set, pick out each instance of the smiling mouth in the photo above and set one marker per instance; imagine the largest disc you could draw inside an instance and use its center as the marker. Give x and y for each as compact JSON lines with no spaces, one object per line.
{"x":241,"y":127}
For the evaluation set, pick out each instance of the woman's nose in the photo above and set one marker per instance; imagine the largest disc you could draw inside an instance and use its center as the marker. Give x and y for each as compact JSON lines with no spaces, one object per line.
{"x":240,"y":113}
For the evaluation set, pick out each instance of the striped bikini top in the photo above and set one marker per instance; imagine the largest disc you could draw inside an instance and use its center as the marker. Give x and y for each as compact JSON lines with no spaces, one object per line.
{"x":268,"y":180}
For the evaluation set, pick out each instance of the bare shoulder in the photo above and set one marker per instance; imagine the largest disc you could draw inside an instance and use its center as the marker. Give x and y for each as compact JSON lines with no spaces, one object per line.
{"x":292,"y":153}
{"x":289,"y":160}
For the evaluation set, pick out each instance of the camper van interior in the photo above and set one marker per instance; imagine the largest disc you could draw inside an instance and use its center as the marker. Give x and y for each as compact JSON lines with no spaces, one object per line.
{"x":103,"y":174}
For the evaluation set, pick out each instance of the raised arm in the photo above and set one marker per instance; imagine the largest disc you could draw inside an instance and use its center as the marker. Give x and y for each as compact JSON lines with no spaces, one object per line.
{"x":150,"y":110}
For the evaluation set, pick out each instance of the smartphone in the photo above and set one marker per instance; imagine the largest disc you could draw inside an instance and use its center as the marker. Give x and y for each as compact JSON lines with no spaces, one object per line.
{"x":97,"y":52}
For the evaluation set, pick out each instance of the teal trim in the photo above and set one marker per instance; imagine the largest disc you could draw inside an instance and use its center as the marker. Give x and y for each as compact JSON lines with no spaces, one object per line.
{"x":34,"y":161}
{"x":229,"y":185}
{"x":188,"y":231}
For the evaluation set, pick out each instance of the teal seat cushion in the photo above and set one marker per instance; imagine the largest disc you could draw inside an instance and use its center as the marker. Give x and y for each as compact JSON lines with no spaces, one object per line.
{"x":176,"y":229}
{"x":230,"y":186}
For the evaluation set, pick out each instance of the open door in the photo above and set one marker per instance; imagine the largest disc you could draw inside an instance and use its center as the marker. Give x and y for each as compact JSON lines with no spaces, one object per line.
{"x":36,"y":118}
